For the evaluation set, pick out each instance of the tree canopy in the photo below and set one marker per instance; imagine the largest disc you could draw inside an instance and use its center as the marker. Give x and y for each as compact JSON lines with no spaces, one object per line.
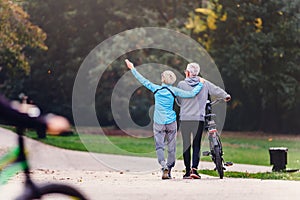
{"x":256,"y":46}
{"x":18,"y":37}
{"x":254,"y":43}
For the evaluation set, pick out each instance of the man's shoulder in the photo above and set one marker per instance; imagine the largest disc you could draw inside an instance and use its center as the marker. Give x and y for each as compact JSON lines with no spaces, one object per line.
{"x":182,"y":83}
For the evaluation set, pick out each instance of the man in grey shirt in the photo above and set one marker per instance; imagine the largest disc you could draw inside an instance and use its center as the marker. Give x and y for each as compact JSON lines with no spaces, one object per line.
{"x":192,"y":114}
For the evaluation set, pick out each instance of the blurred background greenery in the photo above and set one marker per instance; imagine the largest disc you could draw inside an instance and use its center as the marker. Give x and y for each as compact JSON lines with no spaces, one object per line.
{"x":255,"y":44}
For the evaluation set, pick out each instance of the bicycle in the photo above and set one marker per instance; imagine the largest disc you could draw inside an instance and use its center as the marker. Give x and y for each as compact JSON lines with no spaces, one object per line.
{"x":16,"y":161}
{"x":215,"y":144}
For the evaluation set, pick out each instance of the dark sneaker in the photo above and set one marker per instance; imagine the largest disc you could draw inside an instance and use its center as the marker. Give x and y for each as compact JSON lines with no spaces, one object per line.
{"x":165,"y":173}
{"x":169,"y":174}
{"x":194,"y":174}
{"x":187,"y":175}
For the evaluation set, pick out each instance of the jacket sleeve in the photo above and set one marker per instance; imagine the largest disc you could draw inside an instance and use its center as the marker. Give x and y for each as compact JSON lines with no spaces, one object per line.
{"x":145,"y":82}
{"x":178,"y":100}
{"x":187,"y":94}
{"x":214,"y":90}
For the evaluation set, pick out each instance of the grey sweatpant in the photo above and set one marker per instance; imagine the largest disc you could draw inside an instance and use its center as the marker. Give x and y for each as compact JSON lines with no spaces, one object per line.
{"x":165,"y":133}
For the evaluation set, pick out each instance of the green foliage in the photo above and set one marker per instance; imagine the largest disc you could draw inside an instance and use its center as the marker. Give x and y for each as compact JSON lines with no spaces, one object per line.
{"x":257,"y":51}
{"x":76,"y":27}
{"x":18,"y":37}
{"x":254,"y":43}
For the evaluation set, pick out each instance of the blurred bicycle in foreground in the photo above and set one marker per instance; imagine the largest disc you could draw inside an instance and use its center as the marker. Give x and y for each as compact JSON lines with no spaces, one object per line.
{"x":24,"y":116}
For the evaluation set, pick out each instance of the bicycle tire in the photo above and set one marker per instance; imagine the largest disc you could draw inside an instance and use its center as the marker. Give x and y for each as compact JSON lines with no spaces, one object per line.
{"x":219,"y":162}
{"x":60,"y":190}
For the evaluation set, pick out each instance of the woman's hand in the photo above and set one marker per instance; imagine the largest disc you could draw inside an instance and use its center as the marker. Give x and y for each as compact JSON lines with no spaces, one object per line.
{"x":202,"y":80}
{"x":129,"y":64}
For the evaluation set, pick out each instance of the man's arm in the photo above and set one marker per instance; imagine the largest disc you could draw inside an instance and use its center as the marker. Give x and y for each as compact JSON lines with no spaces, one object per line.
{"x":216,"y":91}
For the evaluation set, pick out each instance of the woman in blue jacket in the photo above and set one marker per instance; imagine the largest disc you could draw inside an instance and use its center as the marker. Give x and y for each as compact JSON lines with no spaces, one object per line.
{"x":165,"y":125}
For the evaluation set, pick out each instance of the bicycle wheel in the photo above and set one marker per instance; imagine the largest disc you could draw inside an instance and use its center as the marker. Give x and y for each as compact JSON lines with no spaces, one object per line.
{"x":55,"y":191}
{"x":219,"y":162}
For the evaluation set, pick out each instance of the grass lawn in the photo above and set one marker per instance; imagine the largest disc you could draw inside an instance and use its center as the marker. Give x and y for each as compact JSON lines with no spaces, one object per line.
{"x":248,"y":148}
{"x":269,"y":175}
{"x":254,"y":149}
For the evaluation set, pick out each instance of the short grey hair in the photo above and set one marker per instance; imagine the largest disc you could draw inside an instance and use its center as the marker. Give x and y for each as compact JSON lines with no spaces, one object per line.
{"x":193,"y":68}
{"x":168,"y":77}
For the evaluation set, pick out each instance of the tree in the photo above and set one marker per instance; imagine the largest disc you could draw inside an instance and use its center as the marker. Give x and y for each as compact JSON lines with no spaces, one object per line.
{"x":18,"y":37}
{"x":256,"y":46}
{"x":74,"y":28}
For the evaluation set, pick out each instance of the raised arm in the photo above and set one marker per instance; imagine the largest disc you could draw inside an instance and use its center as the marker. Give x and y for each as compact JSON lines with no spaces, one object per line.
{"x":145,"y":82}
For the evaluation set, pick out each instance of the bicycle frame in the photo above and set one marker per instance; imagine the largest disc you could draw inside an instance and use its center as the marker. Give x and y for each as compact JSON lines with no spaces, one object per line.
{"x":214,"y":140}
{"x":15,"y":161}
{"x":9,"y":165}
{"x":213,"y":135}
{"x":211,"y":126}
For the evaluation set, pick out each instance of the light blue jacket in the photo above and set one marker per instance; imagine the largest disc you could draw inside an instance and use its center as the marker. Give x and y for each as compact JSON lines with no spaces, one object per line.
{"x":164,"y":100}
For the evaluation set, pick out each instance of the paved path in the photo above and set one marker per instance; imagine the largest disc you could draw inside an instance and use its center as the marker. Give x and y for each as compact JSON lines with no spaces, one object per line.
{"x":137,"y":178}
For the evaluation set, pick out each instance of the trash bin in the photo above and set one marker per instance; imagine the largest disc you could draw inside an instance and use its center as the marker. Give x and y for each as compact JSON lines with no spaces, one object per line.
{"x":278,"y":158}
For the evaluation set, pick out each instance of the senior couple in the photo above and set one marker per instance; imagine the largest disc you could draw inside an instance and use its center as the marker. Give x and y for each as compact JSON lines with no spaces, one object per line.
{"x":191,"y":95}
